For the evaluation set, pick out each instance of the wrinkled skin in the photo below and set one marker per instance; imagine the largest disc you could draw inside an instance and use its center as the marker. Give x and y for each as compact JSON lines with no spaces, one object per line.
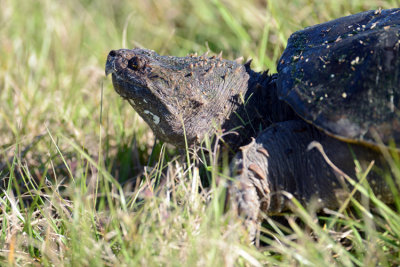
{"x":197,"y":95}
{"x":172,"y":93}
{"x":279,"y":162}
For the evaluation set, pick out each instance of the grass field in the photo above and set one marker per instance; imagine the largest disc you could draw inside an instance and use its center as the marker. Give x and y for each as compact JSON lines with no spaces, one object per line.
{"x":71,"y":149}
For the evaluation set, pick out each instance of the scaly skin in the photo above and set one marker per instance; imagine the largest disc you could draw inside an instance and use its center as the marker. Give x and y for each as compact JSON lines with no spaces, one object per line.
{"x":204,"y":93}
{"x":278,"y":164}
{"x":199,"y":93}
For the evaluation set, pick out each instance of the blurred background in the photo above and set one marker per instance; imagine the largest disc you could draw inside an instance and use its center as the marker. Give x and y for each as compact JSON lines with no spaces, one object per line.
{"x":68,"y":142}
{"x":52,"y":56}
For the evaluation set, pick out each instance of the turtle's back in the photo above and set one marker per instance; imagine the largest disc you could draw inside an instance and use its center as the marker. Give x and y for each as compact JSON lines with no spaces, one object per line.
{"x":344,"y":76}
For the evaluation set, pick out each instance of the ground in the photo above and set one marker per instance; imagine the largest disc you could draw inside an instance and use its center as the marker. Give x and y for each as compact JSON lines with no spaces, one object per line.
{"x":79,"y":169}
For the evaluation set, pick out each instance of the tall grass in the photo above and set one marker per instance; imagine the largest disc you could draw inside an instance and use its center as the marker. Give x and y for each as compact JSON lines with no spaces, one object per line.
{"x":81,"y":180}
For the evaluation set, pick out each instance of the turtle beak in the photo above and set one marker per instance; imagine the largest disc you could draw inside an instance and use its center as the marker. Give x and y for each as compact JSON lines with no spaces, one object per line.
{"x":110,"y":64}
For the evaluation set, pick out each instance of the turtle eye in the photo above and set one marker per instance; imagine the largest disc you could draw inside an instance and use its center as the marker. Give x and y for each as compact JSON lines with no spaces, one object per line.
{"x":136,"y":63}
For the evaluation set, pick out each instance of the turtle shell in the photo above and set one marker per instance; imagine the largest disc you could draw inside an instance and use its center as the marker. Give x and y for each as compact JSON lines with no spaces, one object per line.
{"x":343,"y":76}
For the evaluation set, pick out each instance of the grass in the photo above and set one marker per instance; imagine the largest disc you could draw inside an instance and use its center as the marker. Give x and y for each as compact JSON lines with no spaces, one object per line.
{"x":78,"y":169}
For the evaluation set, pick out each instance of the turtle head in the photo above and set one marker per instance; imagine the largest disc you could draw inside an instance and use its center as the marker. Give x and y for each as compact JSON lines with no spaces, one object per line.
{"x":177,"y":95}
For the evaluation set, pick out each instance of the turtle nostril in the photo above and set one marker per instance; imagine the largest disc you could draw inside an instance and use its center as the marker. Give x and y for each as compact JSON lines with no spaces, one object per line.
{"x":112,"y":53}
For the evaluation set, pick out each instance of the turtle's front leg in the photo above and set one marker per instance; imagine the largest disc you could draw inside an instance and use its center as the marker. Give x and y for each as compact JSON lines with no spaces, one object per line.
{"x":245,"y":199}
{"x":278,"y":162}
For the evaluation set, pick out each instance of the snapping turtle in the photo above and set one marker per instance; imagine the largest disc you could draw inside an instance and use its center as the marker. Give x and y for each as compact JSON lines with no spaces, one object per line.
{"x":338,"y":84}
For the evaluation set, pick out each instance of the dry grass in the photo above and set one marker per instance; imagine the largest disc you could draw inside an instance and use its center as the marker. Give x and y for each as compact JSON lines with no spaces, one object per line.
{"x":78,"y":171}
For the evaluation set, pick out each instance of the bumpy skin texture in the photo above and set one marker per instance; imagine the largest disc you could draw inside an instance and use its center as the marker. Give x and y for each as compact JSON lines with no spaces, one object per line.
{"x":197,"y":93}
{"x":169,"y":92}
{"x":278,"y":162}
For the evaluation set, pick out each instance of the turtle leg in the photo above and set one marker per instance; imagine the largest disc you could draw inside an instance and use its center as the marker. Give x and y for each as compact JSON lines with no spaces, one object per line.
{"x":278,"y":165}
